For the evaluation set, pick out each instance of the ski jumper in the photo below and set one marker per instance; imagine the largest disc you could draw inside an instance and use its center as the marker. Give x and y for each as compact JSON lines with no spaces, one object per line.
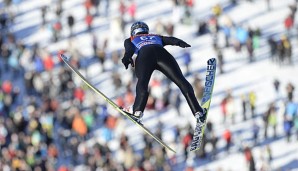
{"x":151,"y":55}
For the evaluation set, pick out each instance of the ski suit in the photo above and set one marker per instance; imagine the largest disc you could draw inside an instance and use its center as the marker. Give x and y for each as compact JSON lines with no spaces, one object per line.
{"x":151,"y":55}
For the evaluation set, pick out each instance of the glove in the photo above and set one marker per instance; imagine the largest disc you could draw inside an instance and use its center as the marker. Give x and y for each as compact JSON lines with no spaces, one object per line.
{"x":183,"y":44}
{"x":126,"y":61}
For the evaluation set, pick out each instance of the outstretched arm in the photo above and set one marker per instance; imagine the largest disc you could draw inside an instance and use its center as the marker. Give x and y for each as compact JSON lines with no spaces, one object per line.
{"x":174,"y":41}
{"x":129,"y":51}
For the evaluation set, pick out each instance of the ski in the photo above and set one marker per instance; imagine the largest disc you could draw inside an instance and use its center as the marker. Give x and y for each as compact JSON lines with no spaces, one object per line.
{"x":206,"y":100}
{"x":113,"y":104}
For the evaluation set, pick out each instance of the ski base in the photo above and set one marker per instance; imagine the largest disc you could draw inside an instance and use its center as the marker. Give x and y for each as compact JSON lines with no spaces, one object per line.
{"x":206,"y":100}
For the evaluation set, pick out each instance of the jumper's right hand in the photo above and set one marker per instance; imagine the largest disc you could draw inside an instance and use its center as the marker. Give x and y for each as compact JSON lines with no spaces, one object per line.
{"x":183,"y":44}
{"x":126,"y":61}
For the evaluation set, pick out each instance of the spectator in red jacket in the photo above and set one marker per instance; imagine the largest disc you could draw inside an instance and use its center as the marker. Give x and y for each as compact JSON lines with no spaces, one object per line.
{"x":289,"y":23}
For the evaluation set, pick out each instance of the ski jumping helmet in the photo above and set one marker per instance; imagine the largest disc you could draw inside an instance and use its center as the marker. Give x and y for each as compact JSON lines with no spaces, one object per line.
{"x":139,"y":27}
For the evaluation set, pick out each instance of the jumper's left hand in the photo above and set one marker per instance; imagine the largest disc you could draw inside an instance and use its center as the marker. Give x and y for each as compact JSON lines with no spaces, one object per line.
{"x":183,"y":44}
{"x":126,"y":61}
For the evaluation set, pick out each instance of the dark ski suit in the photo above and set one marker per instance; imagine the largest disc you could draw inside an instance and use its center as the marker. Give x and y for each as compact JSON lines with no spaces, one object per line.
{"x":152,"y":56}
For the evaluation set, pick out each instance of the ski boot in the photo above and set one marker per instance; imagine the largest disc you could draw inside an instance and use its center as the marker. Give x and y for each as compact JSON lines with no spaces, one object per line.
{"x":201,"y":116}
{"x":137,"y":116}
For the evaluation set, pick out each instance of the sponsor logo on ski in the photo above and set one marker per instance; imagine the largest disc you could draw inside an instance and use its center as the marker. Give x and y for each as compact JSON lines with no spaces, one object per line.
{"x":197,"y":138}
{"x":209,"y":79}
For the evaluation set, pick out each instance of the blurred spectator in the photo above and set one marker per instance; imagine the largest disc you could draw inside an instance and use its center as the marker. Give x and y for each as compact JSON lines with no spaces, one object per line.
{"x":287,"y":128}
{"x":227,"y":136}
{"x":217,"y":10}
{"x":220,"y":58}
{"x":95,"y":45}
{"x":213,"y":26}
{"x":70,"y":23}
{"x":273,"y":119}
{"x":289,"y":23}
{"x":249,"y":159}
{"x":186,"y":140}
{"x":48,"y":62}
{"x":290,"y":91}
{"x":96,"y":5}
{"x":79,"y":94}
{"x":3,"y":20}
{"x":230,"y":107}
{"x":170,"y":29}
{"x":280,"y":53}
{"x":273,"y":49}
{"x":187,"y":60}
{"x":132,"y":8}
{"x":187,"y":14}
{"x":89,"y":20}
{"x":88,"y":5}
{"x":223,"y":106}
{"x":255,"y":130}
{"x":252,"y":102}
{"x":118,"y":82}
{"x":250,"y":49}
{"x":122,"y":7}
{"x":198,"y":87}
{"x":78,"y":123}
{"x":276,"y":85}
{"x":202,"y":28}
{"x":290,"y":115}
{"x":59,"y":9}
{"x":57,"y":28}
{"x":287,"y":50}
{"x":244,"y":106}
{"x":43,"y":14}
{"x":227,"y":29}
{"x":241,"y":38}
{"x":270,"y":119}
{"x":256,"y":36}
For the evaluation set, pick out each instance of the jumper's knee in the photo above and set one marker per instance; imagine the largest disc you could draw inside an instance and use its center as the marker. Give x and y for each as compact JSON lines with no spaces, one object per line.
{"x":186,"y":88}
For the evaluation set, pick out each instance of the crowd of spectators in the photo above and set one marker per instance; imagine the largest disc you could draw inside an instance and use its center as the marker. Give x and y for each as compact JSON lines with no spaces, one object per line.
{"x":46,"y":123}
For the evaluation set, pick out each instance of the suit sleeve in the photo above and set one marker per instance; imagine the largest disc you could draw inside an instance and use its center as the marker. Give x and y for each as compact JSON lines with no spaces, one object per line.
{"x":129,"y":48}
{"x":170,"y":41}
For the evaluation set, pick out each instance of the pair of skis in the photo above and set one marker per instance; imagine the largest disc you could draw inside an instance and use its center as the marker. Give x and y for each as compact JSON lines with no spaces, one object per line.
{"x":199,"y":130}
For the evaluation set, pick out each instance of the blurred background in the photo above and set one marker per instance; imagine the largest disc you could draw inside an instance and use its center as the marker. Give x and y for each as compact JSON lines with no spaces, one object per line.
{"x":49,"y":120}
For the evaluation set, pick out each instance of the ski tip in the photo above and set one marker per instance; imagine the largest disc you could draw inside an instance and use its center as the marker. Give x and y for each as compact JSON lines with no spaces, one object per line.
{"x":211,"y":61}
{"x":65,"y":58}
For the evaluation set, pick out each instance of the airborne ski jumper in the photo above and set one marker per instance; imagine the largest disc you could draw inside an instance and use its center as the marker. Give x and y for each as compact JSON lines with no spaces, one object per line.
{"x":151,"y":55}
